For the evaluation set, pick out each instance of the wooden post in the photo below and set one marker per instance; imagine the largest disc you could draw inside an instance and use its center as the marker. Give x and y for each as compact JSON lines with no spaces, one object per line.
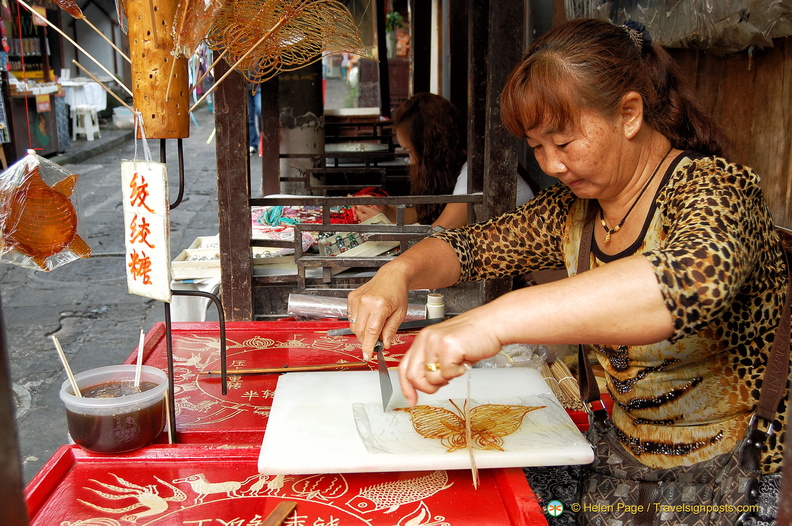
{"x":495,"y":48}
{"x":233,"y":191}
{"x":150,"y":46}
{"x":382,"y":55}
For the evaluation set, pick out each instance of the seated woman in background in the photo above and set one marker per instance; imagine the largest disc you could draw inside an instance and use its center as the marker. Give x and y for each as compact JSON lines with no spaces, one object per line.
{"x":430,"y":128}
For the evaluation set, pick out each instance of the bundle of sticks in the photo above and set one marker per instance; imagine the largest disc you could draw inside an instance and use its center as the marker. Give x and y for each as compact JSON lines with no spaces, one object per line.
{"x":563,"y":384}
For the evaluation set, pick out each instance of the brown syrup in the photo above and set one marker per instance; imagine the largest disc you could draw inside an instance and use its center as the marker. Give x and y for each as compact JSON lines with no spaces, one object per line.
{"x":117,"y":433}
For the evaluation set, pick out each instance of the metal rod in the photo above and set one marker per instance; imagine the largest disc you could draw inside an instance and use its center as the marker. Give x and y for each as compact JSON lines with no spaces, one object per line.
{"x":180,"y":153}
{"x":222,"y":321}
{"x":171,"y":383}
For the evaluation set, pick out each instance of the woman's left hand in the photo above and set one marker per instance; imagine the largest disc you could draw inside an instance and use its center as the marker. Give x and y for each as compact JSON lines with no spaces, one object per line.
{"x":441,"y":352}
{"x":363,"y":212}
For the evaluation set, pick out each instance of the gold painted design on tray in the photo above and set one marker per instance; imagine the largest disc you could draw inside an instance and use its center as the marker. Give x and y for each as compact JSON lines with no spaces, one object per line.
{"x":147,"y":497}
{"x":489,"y":423}
{"x":393,"y":494}
{"x":321,"y":487}
{"x":202,"y":487}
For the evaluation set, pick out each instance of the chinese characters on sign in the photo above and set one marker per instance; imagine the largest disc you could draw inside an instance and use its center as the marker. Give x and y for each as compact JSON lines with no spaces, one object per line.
{"x":146,"y":228}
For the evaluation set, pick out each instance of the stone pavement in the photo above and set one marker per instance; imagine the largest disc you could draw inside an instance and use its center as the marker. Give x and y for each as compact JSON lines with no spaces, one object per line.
{"x":85,"y":303}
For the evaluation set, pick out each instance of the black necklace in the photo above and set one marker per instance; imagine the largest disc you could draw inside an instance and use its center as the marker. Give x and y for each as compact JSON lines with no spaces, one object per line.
{"x":609,"y":231}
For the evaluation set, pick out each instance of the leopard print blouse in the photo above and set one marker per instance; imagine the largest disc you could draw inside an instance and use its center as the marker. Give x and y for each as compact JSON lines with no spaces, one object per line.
{"x":711,"y":240}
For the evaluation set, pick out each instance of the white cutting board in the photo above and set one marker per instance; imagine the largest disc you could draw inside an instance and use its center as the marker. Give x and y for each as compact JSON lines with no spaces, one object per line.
{"x":333,"y":422}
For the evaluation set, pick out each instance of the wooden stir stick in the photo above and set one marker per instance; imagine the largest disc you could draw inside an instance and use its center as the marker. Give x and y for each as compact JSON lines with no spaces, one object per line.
{"x":280,"y":513}
{"x":69,"y":373}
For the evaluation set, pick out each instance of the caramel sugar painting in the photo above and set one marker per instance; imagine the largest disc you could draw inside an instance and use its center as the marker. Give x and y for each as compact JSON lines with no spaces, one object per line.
{"x":438,"y":426}
{"x":489,"y":423}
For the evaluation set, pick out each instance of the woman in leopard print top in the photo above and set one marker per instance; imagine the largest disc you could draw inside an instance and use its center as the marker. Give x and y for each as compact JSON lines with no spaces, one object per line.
{"x":687,"y":275}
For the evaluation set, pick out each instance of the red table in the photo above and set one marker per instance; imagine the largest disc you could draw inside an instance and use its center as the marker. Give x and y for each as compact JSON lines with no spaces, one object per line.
{"x":210,"y":477}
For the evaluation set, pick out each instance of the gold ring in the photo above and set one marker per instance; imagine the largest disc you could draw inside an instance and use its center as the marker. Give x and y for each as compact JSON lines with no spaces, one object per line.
{"x":432,"y":367}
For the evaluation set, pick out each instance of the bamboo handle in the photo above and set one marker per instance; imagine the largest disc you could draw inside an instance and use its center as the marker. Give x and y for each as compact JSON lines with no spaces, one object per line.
{"x":296,"y":368}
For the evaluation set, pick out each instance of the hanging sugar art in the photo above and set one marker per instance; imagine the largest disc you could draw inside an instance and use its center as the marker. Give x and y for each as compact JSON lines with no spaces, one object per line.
{"x":261,"y":38}
{"x":191,"y":22}
{"x":38,"y":215}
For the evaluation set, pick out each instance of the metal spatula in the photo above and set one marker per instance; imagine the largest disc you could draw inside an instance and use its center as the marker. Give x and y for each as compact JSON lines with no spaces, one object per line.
{"x":386,"y":388}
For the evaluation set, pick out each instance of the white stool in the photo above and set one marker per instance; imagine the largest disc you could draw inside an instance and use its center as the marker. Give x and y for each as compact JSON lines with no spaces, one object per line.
{"x":85,"y":121}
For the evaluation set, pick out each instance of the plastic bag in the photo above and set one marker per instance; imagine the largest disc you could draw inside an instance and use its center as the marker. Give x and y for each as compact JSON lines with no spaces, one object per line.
{"x":39,"y":215}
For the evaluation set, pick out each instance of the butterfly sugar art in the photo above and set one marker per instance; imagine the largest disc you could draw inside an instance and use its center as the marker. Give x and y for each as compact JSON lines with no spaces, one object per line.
{"x":489,"y":423}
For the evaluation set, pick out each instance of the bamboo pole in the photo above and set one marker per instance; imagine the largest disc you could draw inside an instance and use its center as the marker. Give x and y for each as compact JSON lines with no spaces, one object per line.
{"x":295,"y":368}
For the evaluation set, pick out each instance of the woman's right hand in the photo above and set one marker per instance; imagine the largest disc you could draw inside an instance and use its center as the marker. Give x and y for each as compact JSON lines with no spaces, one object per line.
{"x":377,"y":308}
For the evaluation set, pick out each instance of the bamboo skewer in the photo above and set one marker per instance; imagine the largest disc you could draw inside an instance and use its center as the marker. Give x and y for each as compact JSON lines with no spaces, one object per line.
{"x":139,"y":364}
{"x":71,"y":7}
{"x":320,"y":367}
{"x":567,"y":383}
{"x":75,"y":44}
{"x":69,"y":373}
{"x":123,"y":55}
{"x":469,"y":433}
{"x":108,"y":90}
{"x":243,"y":57}
{"x":153,"y":25}
{"x":175,"y":52}
{"x":551,"y":380}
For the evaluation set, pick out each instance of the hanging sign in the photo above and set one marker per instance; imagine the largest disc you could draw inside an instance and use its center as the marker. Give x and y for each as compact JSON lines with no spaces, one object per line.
{"x":43,"y":103}
{"x":146,"y":228}
{"x":40,"y":16}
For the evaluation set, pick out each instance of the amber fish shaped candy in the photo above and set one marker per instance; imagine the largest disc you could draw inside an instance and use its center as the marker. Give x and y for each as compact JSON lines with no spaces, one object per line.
{"x":42,"y":220}
{"x":489,"y":424}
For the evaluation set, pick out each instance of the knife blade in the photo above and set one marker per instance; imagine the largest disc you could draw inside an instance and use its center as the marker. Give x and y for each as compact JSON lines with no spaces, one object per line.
{"x":386,"y":388}
{"x":405,"y":326}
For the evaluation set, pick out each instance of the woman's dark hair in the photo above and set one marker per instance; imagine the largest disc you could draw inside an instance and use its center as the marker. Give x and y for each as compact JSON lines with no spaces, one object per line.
{"x":590,"y":64}
{"x":437,"y":137}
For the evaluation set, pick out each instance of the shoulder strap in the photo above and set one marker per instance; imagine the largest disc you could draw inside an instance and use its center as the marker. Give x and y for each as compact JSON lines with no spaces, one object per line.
{"x":776,"y":371}
{"x":589,"y":391}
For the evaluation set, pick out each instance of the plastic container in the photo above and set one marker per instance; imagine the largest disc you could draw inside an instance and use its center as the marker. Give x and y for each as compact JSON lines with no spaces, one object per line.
{"x":123,"y":118}
{"x":435,"y":307}
{"x":112,"y":423}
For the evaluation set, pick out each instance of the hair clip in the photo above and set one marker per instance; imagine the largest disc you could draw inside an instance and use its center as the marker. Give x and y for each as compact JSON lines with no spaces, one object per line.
{"x":638,"y":34}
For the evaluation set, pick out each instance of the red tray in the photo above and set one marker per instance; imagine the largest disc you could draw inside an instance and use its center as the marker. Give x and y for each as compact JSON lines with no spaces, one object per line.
{"x":203,"y":414}
{"x":580,"y":418}
{"x":208,"y":485}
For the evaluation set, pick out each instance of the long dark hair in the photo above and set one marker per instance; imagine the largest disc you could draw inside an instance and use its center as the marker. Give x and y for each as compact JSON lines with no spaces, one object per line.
{"x":435,"y":130}
{"x":589,"y":63}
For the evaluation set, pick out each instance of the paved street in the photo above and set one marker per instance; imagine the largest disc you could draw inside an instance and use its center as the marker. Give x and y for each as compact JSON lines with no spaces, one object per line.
{"x":85,"y":303}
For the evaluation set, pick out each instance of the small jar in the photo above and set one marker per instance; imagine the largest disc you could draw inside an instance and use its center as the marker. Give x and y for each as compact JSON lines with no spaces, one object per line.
{"x":435,"y":306}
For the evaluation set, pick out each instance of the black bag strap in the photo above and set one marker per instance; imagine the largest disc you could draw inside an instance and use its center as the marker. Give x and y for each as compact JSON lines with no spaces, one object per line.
{"x":776,"y":371}
{"x":589,"y":391}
